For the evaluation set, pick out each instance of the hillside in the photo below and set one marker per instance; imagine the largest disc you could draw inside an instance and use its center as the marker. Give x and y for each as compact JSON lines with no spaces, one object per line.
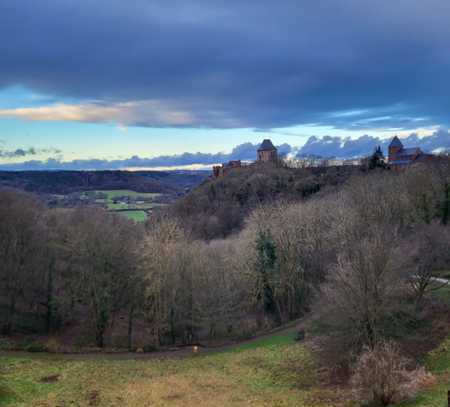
{"x":65,"y":182}
{"x":270,"y":371}
{"x":217,"y":207}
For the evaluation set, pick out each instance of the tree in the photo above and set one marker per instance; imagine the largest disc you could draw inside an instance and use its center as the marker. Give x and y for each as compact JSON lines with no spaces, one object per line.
{"x":160,"y":269}
{"x":363,"y":296}
{"x":382,"y":376}
{"x":429,"y":252}
{"x":103,"y":253}
{"x":266,"y":269}
{"x":377,"y":160}
{"x":21,"y":249}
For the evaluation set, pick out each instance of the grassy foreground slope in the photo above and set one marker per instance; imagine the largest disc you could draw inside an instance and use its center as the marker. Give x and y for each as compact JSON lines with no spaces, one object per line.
{"x":438,"y":363}
{"x":273,"y":371}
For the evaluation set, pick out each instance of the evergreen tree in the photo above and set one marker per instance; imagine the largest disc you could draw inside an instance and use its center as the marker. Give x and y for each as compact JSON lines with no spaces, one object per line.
{"x":266,"y":267}
{"x":376,"y":160}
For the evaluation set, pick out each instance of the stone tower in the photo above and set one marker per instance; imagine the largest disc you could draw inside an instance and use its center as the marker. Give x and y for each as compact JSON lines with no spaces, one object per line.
{"x":267,"y":152}
{"x":395,"y":147}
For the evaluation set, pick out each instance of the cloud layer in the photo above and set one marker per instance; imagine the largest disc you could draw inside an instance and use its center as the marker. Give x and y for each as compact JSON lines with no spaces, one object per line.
{"x":324,"y":147}
{"x":345,"y":147}
{"x":346,"y":63}
{"x":24,"y":152}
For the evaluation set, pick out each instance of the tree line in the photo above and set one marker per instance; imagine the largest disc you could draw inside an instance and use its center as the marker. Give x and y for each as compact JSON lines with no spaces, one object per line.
{"x":358,"y":261}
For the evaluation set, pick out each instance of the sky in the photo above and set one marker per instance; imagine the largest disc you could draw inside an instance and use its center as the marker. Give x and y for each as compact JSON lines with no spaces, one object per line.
{"x":110,"y":80}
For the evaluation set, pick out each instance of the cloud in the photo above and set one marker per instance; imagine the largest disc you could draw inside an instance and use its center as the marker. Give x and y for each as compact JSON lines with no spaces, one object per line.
{"x":345,"y":147}
{"x":342,"y":63}
{"x":21,"y":152}
{"x":327,"y":146}
{"x":244,"y":152}
{"x":147,"y":113}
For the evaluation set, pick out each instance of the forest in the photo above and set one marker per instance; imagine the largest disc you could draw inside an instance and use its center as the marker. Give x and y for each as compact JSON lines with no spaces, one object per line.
{"x":356,"y":260}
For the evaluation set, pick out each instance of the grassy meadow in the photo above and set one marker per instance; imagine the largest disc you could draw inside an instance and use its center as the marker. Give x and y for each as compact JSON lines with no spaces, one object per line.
{"x":137,"y":216}
{"x":136,"y":211}
{"x":272,"y":371}
{"x":438,"y":363}
{"x":112,"y":194}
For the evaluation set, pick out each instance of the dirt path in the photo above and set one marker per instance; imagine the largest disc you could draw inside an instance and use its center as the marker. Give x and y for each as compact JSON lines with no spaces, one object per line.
{"x":173,"y":353}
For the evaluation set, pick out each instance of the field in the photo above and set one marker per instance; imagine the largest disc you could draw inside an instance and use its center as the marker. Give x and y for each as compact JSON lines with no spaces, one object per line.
{"x":437,"y":362}
{"x":125,"y":192}
{"x":274,"y":371}
{"x":137,"y":216}
{"x":134,"y":205}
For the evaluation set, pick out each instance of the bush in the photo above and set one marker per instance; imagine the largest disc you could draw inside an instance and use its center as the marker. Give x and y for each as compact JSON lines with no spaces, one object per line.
{"x":53,"y":345}
{"x":150,"y":348}
{"x":32,"y":346}
{"x":381,"y":376}
{"x":5,"y":344}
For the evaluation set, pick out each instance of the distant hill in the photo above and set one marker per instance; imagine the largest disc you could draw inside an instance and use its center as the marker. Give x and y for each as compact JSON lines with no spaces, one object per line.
{"x":65,"y":182}
{"x":218,"y":207}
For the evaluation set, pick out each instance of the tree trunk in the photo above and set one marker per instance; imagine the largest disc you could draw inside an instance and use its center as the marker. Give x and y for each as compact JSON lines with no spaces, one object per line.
{"x":49,"y":314}
{"x":99,"y":337}
{"x":8,"y":327}
{"x":130,"y":327}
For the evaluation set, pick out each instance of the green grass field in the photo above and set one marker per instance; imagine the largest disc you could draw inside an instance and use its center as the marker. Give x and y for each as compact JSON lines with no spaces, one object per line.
{"x":438,"y":363}
{"x":271,"y":371}
{"x":136,"y":212}
{"x":274,"y":371}
{"x":137,"y":216}
{"x":111,"y":194}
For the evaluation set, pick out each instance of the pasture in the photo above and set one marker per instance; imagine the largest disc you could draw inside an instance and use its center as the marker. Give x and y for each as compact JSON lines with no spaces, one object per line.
{"x":134,"y":205}
{"x":272,"y":371}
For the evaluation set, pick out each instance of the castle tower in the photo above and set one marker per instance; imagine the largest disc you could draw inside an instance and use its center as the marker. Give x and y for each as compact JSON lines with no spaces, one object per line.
{"x":267,"y":152}
{"x":394,"y":148}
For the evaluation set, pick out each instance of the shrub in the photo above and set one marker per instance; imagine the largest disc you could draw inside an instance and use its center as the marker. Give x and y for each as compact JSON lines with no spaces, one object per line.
{"x":30,"y":345}
{"x":53,"y":345}
{"x":149,"y":348}
{"x":381,"y":376}
{"x":5,"y":344}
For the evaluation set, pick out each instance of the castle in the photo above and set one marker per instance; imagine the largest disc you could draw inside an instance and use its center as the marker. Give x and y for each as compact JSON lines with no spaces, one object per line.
{"x":267,"y":153}
{"x":400,"y":157}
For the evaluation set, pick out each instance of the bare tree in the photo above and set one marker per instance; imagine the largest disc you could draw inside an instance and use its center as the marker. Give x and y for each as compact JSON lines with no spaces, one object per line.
{"x":428,"y":250}
{"x":21,"y":249}
{"x":102,"y":250}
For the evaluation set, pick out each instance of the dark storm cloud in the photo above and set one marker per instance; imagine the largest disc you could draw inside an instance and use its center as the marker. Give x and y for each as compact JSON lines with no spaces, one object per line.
{"x":238,"y":63}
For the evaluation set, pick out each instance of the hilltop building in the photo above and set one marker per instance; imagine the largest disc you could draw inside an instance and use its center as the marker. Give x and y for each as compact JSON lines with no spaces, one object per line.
{"x":219,"y":170}
{"x":267,"y":152}
{"x":401,"y":157}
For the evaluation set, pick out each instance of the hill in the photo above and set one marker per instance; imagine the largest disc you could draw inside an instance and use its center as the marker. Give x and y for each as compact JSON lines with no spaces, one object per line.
{"x":217,"y":207}
{"x":65,"y":182}
{"x":272,"y":370}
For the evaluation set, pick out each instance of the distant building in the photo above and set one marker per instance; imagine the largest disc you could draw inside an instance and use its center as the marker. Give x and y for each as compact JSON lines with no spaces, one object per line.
{"x":401,"y":157}
{"x":267,"y":152}
{"x":219,"y":170}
